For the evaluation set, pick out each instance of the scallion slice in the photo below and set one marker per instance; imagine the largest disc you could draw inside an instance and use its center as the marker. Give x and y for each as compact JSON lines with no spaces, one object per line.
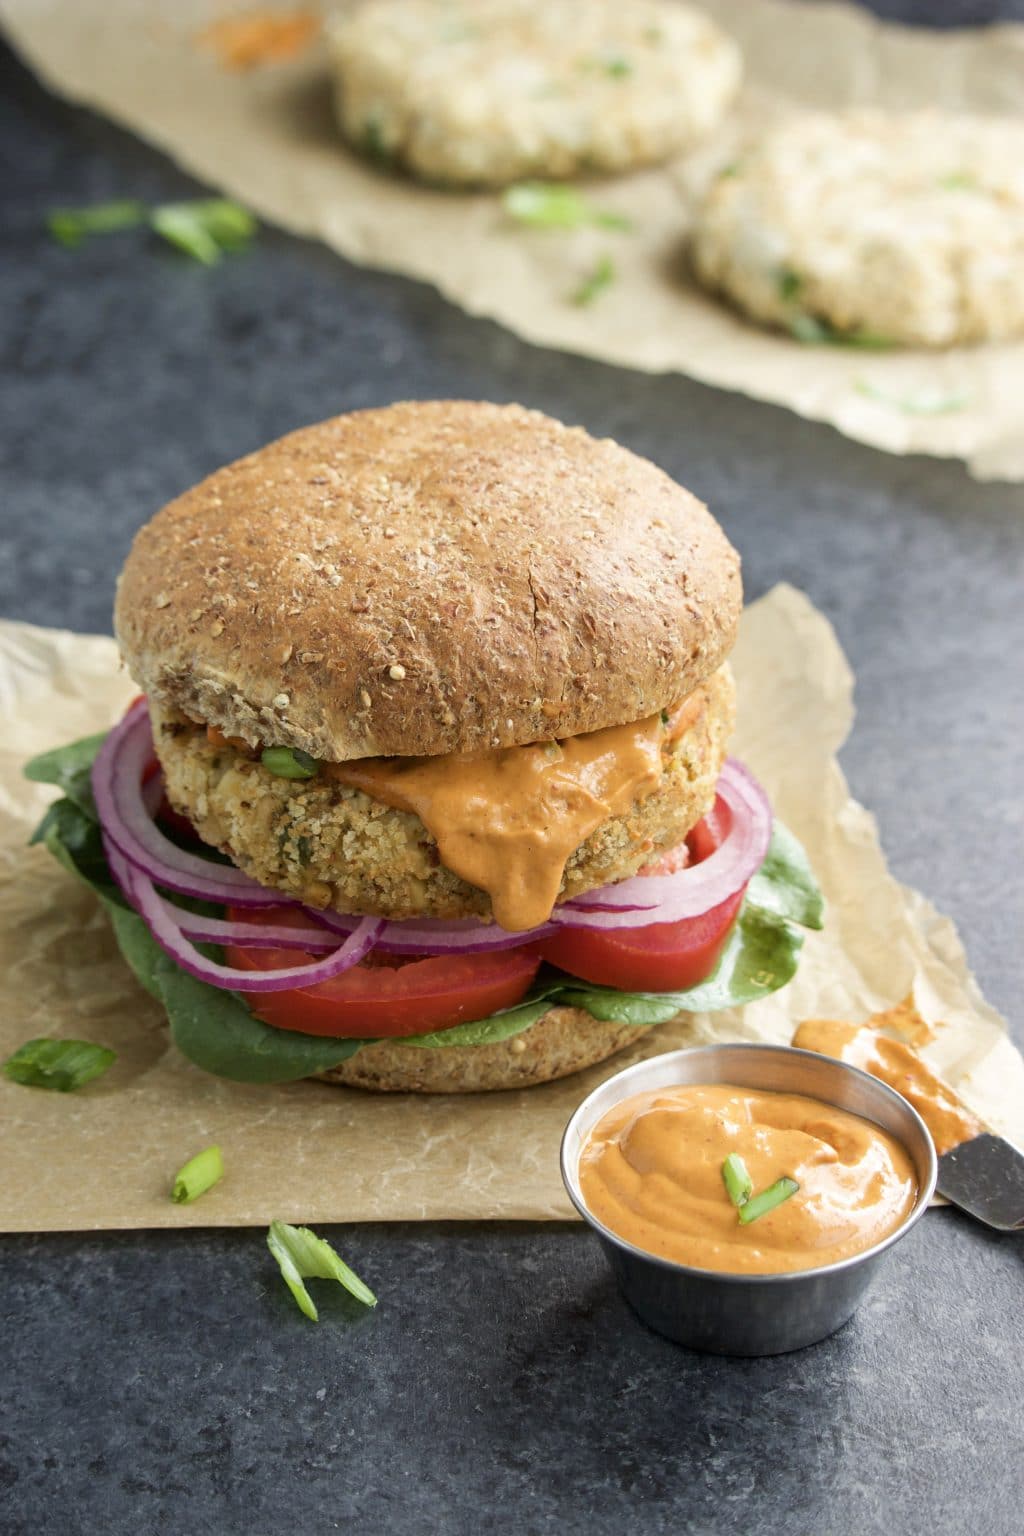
{"x":198,"y":1175}
{"x":205,"y":228}
{"x":62,"y":1065}
{"x":289,"y":762}
{"x":601,"y":275}
{"x":555,"y":205}
{"x":70,"y":226}
{"x":768,"y":1199}
{"x":738,"y":1183}
{"x":301,"y":1255}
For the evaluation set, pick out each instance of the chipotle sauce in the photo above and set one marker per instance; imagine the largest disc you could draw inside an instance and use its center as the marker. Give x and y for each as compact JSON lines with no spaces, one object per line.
{"x":651,"y":1171}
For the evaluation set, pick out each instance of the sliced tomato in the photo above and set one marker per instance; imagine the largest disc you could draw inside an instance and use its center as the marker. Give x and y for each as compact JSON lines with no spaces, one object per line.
{"x":385,"y":996}
{"x":663,"y":957}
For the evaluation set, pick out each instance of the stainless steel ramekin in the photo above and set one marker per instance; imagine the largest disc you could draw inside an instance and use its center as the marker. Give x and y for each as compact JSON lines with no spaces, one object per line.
{"x":749,"y":1314}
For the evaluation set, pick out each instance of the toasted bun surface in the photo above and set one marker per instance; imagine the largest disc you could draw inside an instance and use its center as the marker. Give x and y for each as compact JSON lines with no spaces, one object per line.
{"x":430,"y":577}
{"x":562,"y":1041}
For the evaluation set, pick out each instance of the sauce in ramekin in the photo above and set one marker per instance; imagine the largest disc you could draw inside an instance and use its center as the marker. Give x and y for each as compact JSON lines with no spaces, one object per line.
{"x":651,"y":1172}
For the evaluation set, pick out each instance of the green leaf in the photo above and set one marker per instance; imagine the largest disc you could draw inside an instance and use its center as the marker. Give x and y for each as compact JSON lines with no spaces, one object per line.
{"x":70,"y":226}
{"x":216,"y":1031}
{"x":198,"y":1175}
{"x":759,"y":957}
{"x":557,"y":205}
{"x":600,"y":277}
{"x":500,"y":1026}
{"x":785,"y":883}
{"x":301,"y":1255}
{"x":74,"y":840}
{"x":62,"y":1065}
{"x":205,"y":228}
{"x":924,"y":402}
{"x":143,"y":954}
{"x":70,"y":768}
{"x":815,"y":332}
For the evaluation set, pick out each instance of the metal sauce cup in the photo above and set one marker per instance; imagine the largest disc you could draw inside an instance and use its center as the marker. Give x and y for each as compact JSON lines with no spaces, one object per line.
{"x":749,"y":1314}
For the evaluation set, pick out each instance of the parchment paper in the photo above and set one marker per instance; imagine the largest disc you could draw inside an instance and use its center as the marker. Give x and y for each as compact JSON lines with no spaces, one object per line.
{"x":268,"y":137}
{"x":104,"y":1156}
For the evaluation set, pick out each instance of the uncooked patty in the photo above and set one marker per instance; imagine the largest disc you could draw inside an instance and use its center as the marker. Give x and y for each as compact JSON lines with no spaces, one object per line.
{"x":905,"y":227}
{"x":332,"y":846}
{"x":488,"y":92}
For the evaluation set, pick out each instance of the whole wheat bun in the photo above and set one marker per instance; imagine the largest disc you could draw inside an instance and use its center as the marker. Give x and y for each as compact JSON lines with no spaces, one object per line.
{"x":562,"y":1041}
{"x":431,"y":577}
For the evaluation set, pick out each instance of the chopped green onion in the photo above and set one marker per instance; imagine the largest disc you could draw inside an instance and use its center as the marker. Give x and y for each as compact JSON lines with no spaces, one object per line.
{"x":738,"y":1183}
{"x":768,"y":1199}
{"x":73,"y":225}
{"x":205,"y":228}
{"x":599,"y":278}
{"x":925,"y":402}
{"x":375,"y":146}
{"x":790,"y":283}
{"x":199,"y":1174}
{"x":62,"y":1065}
{"x":614,"y":64}
{"x":302,"y":1255}
{"x":289,"y":762}
{"x":554,"y":205}
{"x":815,"y":332}
{"x":733,"y":168}
{"x":958,"y":181}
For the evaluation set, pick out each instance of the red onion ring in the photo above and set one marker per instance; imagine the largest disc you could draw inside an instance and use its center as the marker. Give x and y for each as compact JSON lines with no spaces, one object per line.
{"x":162,"y":921}
{"x":129,"y":825}
{"x":432,"y":936}
{"x":644,"y":900}
{"x":218,"y":930}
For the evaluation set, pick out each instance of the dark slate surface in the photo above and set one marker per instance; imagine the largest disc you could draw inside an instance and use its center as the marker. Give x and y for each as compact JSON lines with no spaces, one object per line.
{"x":158,"y":1382}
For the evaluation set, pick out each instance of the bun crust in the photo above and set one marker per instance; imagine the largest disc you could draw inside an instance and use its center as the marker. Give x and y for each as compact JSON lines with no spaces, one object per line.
{"x":430,"y":577}
{"x":562,"y":1041}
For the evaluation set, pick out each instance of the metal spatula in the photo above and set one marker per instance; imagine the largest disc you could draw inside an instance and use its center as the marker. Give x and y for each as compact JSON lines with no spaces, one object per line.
{"x":985,"y":1178}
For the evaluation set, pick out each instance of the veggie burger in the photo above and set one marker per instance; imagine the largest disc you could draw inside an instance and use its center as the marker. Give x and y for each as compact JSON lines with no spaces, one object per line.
{"x":428,"y":787}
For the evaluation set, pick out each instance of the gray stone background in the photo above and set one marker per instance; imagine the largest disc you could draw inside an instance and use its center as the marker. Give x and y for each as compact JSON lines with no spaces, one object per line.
{"x":165,"y":1383}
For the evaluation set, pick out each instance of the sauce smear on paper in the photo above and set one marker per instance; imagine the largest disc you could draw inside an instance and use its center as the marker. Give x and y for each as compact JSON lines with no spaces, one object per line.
{"x":897,"y":1063}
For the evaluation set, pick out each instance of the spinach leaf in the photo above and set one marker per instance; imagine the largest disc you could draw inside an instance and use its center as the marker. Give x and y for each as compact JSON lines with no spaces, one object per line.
{"x":759,"y":957}
{"x":70,"y":768}
{"x":216,"y":1031}
{"x":74,"y":840}
{"x":500,"y":1026}
{"x":785,"y":883}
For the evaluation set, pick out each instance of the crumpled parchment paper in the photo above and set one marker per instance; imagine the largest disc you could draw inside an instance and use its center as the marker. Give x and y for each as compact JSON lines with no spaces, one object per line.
{"x":105,"y":1155}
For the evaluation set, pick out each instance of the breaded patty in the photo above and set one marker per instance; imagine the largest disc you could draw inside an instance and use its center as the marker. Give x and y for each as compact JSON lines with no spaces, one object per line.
{"x":486,"y":92}
{"x":903,"y":227}
{"x":332,"y":846}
